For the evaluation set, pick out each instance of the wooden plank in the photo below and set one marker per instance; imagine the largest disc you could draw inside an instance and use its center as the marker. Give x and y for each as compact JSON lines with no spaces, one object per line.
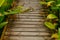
{"x":27,"y":33}
{"x":27,"y":26}
{"x":27,"y":29}
{"x":30,"y":20}
{"x":23,"y":38}
{"x":27,"y":23}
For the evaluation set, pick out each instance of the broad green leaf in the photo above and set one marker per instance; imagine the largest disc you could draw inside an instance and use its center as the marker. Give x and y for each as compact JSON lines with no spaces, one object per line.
{"x":3,"y":24}
{"x":12,"y":11}
{"x":50,"y":25}
{"x":43,"y":2}
{"x":58,"y":5}
{"x":58,"y":1}
{"x":49,"y":3}
{"x":51,"y":16}
{"x":58,"y":33}
{"x":15,"y":11}
{"x":55,"y":35}
{"x":54,"y":7}
{"x":6,"y":5}
{"x":1,"y":2}
{"x":1,"y":18}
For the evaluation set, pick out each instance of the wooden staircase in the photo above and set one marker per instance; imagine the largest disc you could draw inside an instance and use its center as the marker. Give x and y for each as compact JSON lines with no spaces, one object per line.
{"x":29,"y":25}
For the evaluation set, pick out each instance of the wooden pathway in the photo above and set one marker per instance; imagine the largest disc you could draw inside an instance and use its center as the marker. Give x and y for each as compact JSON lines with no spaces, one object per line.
{"x":29,"y":25}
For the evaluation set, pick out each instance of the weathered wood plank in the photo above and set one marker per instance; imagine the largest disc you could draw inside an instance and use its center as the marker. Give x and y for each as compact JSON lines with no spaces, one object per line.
{"x":27,"y":26}
{"x":27,"y":29}
{"x":27,"y":33}
{"x":29,"y":19}
{"x":25,"y":38}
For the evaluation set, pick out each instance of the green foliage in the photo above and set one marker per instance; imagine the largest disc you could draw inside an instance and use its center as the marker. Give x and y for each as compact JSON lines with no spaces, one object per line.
{"x":3,"y":24}
{"x":5,"y":10}
{"x":6,"y":5}
{"x":47,"y":3}
{"x":49,"y":0}
{"x":13,"y":11}
{"x":51,"y":16}
{"x":1,"y":18}
{"x":43,"y":2}
{"x":58,"y":33}
{"x":50,"y":25}
{"x":1,"y":2}
{"x":58,"y":1}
